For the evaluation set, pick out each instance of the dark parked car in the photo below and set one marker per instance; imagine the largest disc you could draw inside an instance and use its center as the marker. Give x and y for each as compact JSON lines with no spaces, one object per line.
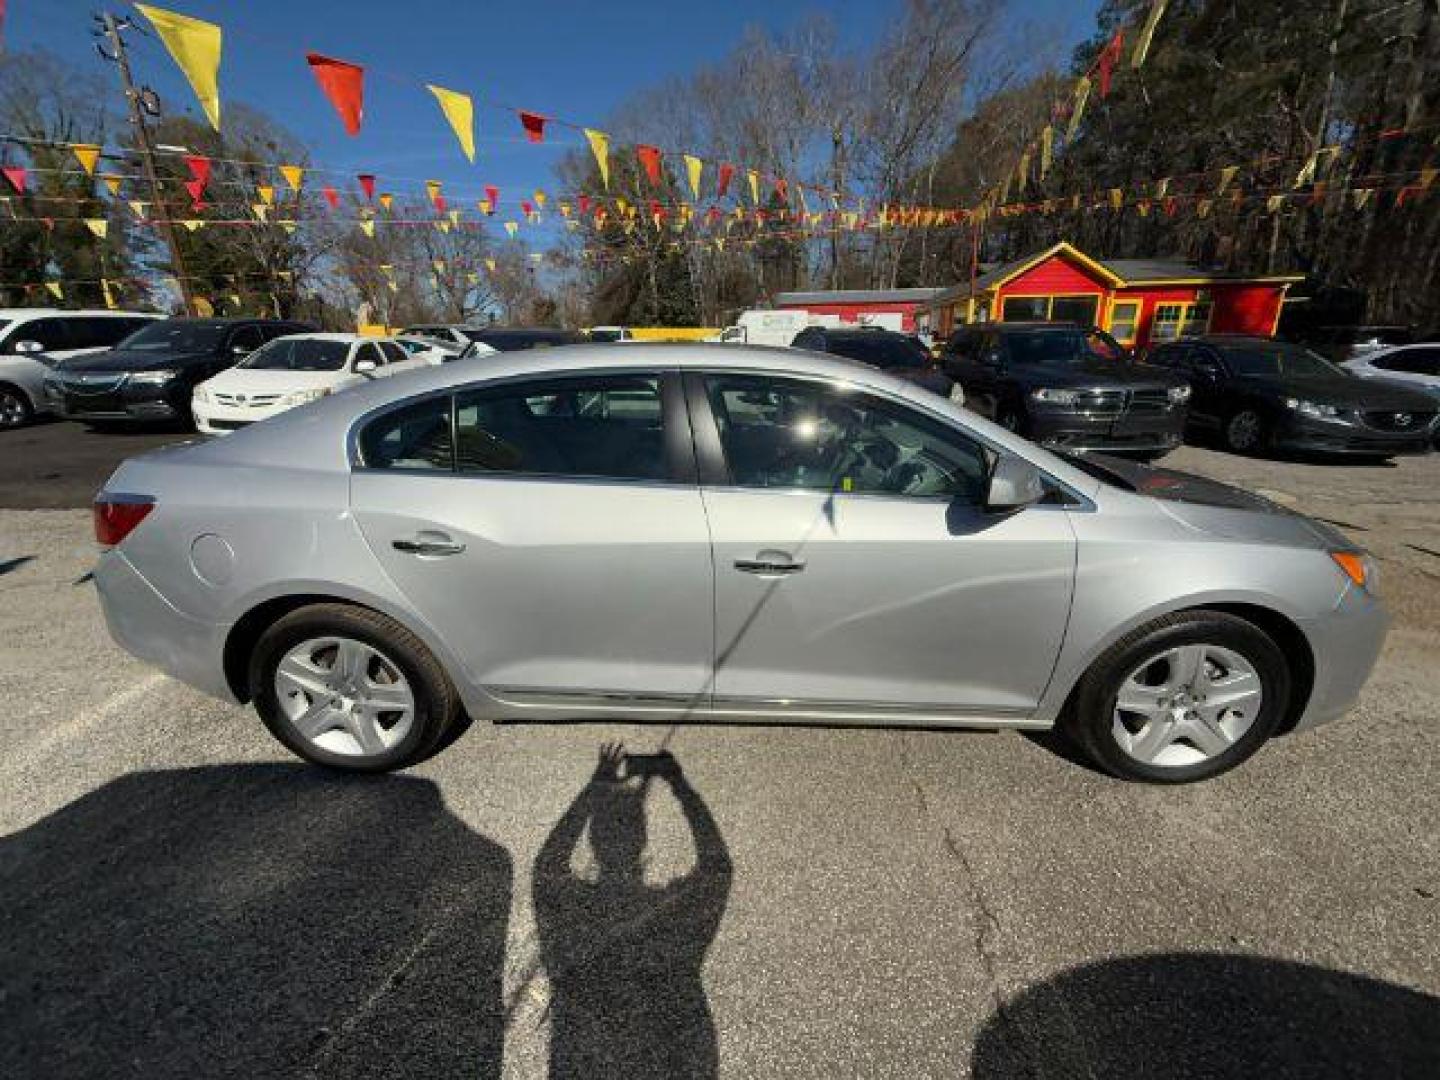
{"x":1067,"y":388}
{"x":511,"y":339}
{"x":895,"y":354}
{"x":1260,"y":394}
{"x":151,"y":374}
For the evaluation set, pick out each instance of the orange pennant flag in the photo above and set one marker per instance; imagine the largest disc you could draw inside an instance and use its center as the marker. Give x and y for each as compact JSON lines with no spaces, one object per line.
{"x":294,"y":176}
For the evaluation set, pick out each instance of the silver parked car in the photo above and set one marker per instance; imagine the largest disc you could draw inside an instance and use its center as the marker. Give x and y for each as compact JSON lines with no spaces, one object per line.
{"x":707,"y":533}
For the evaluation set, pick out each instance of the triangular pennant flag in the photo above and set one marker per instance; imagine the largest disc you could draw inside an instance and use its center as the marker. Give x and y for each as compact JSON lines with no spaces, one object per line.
{"x":454,"y":216}
{"x":99,"y":226}
{"x":196,"y":189}
{"x":600,"y":147}
{"x":138,"y":208}
{"x":1427,"y":177}
{"x":754,"y":178}
{"x":1117,"y":198}
{"x":722,"y":179}
{"x":1362,"y":196}
{"x":1108,"y":58}
{"x":1161,"y":187}
{"x":261,"y":211}
{"x":534,"y":125}
{"x":294,"y":176}
{"x":192,"y":223}
{"x":344,"y":85}
{"x":490,"y":265}
{"x":1022,"y":171}
{"x":367,"y":227}
{"x":1202,"y":208}
{"x":459,"y":111}
{"x":367,"y":185}
{"x":1226,"y":175}
{"x":540,"y":198}
{"x":1142,"y":43}
{"x":109,"y":296}
{"x":88,"y":155}
{"x":386,"y":200}
{"x":650,"y":158}
{"x":194,"y":45}
{"x":1273,"y":203}
{"x":693,"y":168}
{"x":53,"y":287}
{"x":432,"y":191}
{"x":111,"y":182}
{"x":332,"y":197}
{"x":511,"y":227}
{"x":199,"y":167}
{"x":527,"y":207}
{"x":1077,"y":108}
{"x":16,"y":175}
{"x":288,"y":226}
{"x":486,"y":207}
{"x":266,"y":193}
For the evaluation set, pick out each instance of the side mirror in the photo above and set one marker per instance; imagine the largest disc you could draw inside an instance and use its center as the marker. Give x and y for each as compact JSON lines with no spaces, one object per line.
{"x":28,"y":346}
{"x":364,"y":366}
{"x":1014,"y":484}
{"x":992,"y":358}
{"x":240,"y":350}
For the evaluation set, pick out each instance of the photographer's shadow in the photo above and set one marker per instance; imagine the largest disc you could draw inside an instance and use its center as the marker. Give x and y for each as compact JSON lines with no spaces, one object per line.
{"x":624,"y":958}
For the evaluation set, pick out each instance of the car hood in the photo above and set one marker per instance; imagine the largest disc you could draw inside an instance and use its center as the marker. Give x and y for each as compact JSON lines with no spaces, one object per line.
{"x":261,"y":381}
{"x":1096,"y":375}
{"x":1209,"y":506}
{"x":1349,"y":391}
{"x":115,"y":361}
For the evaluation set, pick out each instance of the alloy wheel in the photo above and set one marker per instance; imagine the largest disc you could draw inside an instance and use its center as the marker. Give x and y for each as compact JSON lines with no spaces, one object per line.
{"x":1186,"y":705}
{"x":1244,"y":430}
{"x":345,"y":696}
{"x":13,"y":409}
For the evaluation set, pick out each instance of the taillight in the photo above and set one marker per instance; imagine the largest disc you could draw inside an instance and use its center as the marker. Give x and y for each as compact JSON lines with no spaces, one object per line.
{"x":117,"y":515}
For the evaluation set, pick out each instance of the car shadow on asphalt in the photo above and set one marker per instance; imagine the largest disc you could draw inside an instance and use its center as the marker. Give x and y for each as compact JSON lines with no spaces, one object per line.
{"x":1218,"y":1016}
{"x":253,"y":920}
{"x":624,"y":956}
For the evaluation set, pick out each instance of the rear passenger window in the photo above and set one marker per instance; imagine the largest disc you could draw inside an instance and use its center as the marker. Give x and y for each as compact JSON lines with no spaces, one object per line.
{"x":610,"y":428}
{"x":394,"y":354}
{"x":414,"y":437}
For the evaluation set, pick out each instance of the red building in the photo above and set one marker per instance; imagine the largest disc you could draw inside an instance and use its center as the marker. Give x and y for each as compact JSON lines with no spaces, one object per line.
{"x":892,"y":308}
{"x":1139,"y":301}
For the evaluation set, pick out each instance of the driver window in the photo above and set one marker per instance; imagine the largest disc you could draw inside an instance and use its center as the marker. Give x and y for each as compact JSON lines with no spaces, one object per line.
{"x":781,"y":434}
{"x":369,"y":352}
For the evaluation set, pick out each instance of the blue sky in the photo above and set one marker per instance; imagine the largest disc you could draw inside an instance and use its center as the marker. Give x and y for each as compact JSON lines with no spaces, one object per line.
{"x":572,"y":59}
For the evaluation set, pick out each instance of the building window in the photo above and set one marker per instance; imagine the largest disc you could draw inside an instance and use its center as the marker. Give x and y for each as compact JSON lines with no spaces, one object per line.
{"x":1177,"y":320}
{"x":1197,"y":315}
{"x":1124,"y":317}
{"x":1077,"y":309}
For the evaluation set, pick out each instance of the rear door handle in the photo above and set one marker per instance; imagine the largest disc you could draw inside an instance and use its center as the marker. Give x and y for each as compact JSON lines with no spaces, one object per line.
{"x":769,"y":565}
{"x":428,"y":544}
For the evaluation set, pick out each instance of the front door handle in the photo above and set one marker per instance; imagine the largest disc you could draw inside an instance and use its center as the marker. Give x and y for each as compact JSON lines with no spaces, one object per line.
{"x":770,"y":563}
{"x":428,"y":544}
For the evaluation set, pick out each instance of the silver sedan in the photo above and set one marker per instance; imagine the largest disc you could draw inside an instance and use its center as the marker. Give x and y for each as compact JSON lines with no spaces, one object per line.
{"x":716,"y":534}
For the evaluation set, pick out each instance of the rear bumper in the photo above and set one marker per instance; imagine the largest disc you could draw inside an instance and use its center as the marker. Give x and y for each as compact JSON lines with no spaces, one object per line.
{"x":145,"y":625}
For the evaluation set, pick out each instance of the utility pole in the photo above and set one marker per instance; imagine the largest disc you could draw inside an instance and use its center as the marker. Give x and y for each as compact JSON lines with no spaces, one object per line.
{"x":111,"y":28}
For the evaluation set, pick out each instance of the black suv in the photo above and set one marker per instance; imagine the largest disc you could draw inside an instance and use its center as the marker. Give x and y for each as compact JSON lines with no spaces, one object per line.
{"x":150,"y":375}
{"x":1067,"y":388}
{"x":1259,"y":394}
{"x":895,"y":354}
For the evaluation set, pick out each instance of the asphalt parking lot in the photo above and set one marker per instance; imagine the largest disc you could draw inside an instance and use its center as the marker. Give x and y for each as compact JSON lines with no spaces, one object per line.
{"x":179,"y":898}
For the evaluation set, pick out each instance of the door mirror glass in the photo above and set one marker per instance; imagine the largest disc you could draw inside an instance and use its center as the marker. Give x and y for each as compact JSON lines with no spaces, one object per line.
{"x":1014,"y":484}
{"x":28,"y":346}
{"x":362,"y":366}
{"x":240,"y":350}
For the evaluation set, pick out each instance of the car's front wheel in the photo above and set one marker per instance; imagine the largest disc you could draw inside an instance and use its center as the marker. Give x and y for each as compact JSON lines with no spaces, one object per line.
{"x":1245,"y":432}
{"x":15,"y":408}
{"x":1183,"y":698}
{"x":351,"y":689}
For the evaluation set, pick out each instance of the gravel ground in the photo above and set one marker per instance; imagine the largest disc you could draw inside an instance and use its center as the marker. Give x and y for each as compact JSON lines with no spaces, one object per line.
{"x":177,"y":898}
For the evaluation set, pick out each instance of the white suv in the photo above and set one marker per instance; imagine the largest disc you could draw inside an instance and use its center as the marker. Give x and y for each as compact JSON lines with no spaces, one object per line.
{"x":31,"y":339}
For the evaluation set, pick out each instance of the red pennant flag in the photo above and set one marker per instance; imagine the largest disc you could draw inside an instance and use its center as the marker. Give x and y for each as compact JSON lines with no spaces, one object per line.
{"x":782,"y":189}
{"x":16,"y":175}
{"x":584,"y":201}
{"x":1109,"y":57}
{"x":196,"y":188}
{"x":650,"y":158}
{"x":332,"y":197}
{"x":367,"y":185}
{"x":526,"y":207}
{"x":199,"y":167}
{"x":722,"y":180}
{"x":534,"y":125}
{"x":344,"y":85}
{"x":440,"y":203}
{"x":493,"y":194}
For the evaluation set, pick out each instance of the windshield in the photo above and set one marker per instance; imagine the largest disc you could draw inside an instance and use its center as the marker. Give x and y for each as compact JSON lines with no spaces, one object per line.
{"x":177,"y":335}
{"x":604,"y":335}
{"x":298,"y":354}
{"x":1051,"y":348}
{"x":1278,"y":358}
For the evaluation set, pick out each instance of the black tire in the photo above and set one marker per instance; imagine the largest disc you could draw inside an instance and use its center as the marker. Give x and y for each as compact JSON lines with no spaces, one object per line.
{"x":1090,"y":720}
{"x":1237,"y":428}
{"x":438,"y":710}
{"x":15,"y":408}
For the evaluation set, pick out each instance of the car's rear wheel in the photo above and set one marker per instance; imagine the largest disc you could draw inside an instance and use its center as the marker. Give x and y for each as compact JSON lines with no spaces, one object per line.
{"x":351,"y":689}
{"x":15,"y":408}
{"x":1245,"y":432}
{"x":1183,"y":698}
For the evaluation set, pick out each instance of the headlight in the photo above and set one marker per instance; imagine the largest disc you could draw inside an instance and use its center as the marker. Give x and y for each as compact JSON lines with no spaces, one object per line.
{"x":153,"y":378}
{"x":1318,"y":410}
{"x":1052,"y":396}
{"x":1179,"y":394}
{"x":300,"y":397}
{"x":201,"y":395}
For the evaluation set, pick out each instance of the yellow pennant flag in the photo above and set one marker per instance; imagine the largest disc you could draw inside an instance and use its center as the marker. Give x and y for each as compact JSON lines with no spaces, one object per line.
{"x":111,"y":182}
{"x":194,"y":45}
{"x":600,"y":147}
{"x":565,"y":210}
{"x":459,"y":110}
{"x":1047,"y":149}
{"x":138,"y":208}
{"x":1161,"y":187}
{"x":472,"y":278}
{"x":288,"y":226}
{"x":1427,"y":177}
{"x":1117,"y":198}
{"x":1273,"y":204}
{"x":454,"y":216}
{"x":294,"y":176}
{"x":571,"y":224}
{"x":192,"y":223}
{"x":1362,"y":196}
{"x":266,"y":193}
{"x":1202,"y":208}
{"x":109,"y":296}
{"x":1226,"y":175}
{"x":386,"y":200}
{"x":511,"y":228}
{"x":87,"y":154}
{"x":1142,"y":42}
{"x":261,"y":211}
{"x":490,"y":265}
{"x":439,"y":265}
{"x":1077,"y":110}
{"x":484,"y":205}
{"x":204,"y":308}
{"x":754,"y":178}
{"x":536,"y":256}
{"x":1144,"y":207}
{"x":55,"y":290}
{"x":98,"y":226}
{"x":443,"y":226}
{"x":693,"y":168}
{"x":540,"y":198}
{"x":719,"y":243}
{"x":367,"y":227}
{"x":432,"y":189}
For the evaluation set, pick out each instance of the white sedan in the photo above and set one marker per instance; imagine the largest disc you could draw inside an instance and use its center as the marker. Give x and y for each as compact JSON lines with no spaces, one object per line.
{"x":1409,"y":365}
{"x":292,"y":370}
